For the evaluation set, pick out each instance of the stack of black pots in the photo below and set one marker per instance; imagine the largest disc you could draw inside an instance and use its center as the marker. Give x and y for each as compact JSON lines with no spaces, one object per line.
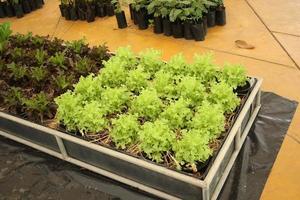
{"x":86,"y":11}
{"x":179,"y":29}
{"x":11,"y":9}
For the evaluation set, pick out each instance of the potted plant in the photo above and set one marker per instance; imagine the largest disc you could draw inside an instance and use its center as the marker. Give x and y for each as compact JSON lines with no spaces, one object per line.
{"x":2,"y":11}
{"x":90,"y":12}
{"x":109,"y":8}
{"x":100,"y":8}
{"x":8,"y":9}
{"x":73,"y":10}
{"x":33,"y":4}
{"x":220,"y":13}
{"x":156,"y":8}
{"x":141,"y":14}
{"x":26,"y":6}
{"x":18,"y":8}
{"x":120,"y":14}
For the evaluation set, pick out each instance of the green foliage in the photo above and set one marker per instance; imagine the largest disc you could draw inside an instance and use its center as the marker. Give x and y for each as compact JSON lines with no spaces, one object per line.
{"x":210,"y":118}
{"x":17,"y":53}
{"x":40,"y":56}
{"x":92,"y":118}
{"x":63,"y":81}
{"x":177,"y":65}
{"x":17,"y":71}
{"x":58,"y":60}
{"x":147,"y":104}
{"x":163,"y":84}
{"x":234,"y":75}
{"x":68,"y":111}
{"x":221,"y":93}
{"x":203,"y":68}
{"x":137,"y":80}
{"x":114,"y":99}
{"x":5,"y":31}
{"x":177,"y":114}
{"x":150,"y":60}
{"x":190,"y":88}
{"x":38,"y":73}
{"x":125,"y":58}
{"x":38,"y":103}
{"x":14,"y":97}
{"x":192,"y":147}
{"x":88,"y":87}
{"x":117,"y":6}
{"x":155,"y":139}
{"x":23,"y":38}
{"x":76,"y":45}
{"x":125,"y":131}
{"x":83,"y":65}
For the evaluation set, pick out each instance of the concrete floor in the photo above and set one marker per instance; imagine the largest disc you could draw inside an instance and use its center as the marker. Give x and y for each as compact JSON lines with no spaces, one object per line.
{"x":272,"y":26}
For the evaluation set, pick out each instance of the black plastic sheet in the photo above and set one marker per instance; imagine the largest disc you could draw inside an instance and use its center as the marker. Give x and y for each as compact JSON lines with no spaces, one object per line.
{"x":26,"y":173}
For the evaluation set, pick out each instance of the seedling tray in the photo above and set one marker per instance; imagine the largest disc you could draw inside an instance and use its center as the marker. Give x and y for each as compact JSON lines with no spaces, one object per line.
{"x":139,"y":173}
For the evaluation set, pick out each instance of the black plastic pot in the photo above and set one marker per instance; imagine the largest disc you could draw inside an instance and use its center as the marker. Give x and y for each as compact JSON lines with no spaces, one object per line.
{"x":110,"y":10}
{"x":73,"y":13}
{"x":204,"y":19}
{"x":8,"y":9}
{"x":135,"y":17}
{"x":66,"y":11}
{"x":211,"y":18}
{"x":142,"y":19}
{"x":244,"y":89}
{"x":131,"y":11}
{"x":32,"y":4}
{"x":167,"y":28}
{"x":61,"y":8}
{"x":81,"y":13}
{"x":121,"y":19}
{"x":198,"y":31}
{"x":188,"y":30}
{"x":2,"y":12}
{"x":220,"y":16}
{"x":158,"y":25}
{"x":101,"y":12}
{"x":26,"y":7}
{"x":90,"y":13}
{"x":39,"y":3}
{"x":177,"y":30}
{"x":18,"y":10}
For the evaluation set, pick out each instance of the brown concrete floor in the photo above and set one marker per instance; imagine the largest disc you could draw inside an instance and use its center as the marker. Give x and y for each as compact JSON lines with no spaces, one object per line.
{"x":272,"y":26}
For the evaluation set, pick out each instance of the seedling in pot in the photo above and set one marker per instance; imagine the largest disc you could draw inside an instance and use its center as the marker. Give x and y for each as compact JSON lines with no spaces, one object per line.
{"x":38,"y":73}
{"x":14,"y":98}
{"x":40,"y":56}
{"x":77,"y":45}
{"x":37,"y":105}
{"x":17,"y":8}
{"x":120,"y":15}
{"x":58,"y":60}
{"x":83,"y":66}
{"x":63,"y":81}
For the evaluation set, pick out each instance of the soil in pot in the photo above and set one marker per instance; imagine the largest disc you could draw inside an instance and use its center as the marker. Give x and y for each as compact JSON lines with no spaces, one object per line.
{"x":19,"y":10}
{"x":167,"y":28}
{"x":90,"y":13}
{"x":187,"y":30}
{"x":177,"y":30}
{"x":121,"y":19}
{"x":211,"y":18}
{"x":110,"y":9}
{"x":220,"y":16}
{"x":8,"y":9}
{"x":26,"y":7}
{"x":142,"y":19}
{"x":198,"y":31}
{"x":32,"y":4}
{"x":2,"y":13}
{"x":73,"y":13}
{"x":158,"y":26}
{"x":101,"y":12}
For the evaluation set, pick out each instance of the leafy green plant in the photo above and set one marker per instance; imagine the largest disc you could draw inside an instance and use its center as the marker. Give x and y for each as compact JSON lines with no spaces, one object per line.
{"x":5,"y":32}
{"x":14,"y":97}
{"x":83,"y":65}
{"x":210,"y":118}
{"x":58,"y":60}
{"x":17,"y":71}
{"x":125,"y":58}
{"x":88,"y":87}
{"x":234,"y":75}
{"x":190,"y":88}
{"x":40,"y":56}
{"x":192,"y":147}
{"x":38,"y":103}
{"x":163,"y":84}
{"x":177,"y":114}
{"x":125,"y":131}
{"x":38,"y":73}
{"x":221,"y":93}
{"x":114,"y":99}
{"x":16,"y":53}
{"x":117,"y":6}
{"x":177,"y":65}
{"x":76,"y":45}
{"x":150,"y":60}
{"x":137,"y":80}
{"x":63,"y":81}
{"x":155,"y":139}
{"x":147,"y":104}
